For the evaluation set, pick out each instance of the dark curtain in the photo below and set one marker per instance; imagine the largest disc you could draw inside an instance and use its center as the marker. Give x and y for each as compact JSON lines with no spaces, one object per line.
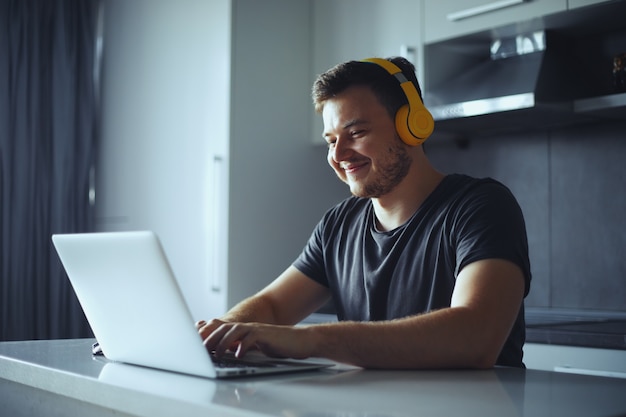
{"x":48,"y":134}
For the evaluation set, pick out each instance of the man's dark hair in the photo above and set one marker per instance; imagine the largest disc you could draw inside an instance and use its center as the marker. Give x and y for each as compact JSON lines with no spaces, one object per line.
{"x":384,"y":86}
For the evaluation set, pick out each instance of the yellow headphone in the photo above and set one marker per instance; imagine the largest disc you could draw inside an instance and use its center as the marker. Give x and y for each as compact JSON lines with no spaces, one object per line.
{"x":414,"y":123}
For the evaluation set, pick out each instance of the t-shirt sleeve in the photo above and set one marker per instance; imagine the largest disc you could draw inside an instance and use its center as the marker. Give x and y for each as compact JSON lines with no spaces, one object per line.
{"x":490,"y":224}
{"x":311,"y":260}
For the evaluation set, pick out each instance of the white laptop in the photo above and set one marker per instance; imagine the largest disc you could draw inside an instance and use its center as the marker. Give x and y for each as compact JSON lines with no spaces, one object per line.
{"x":136,"y":309}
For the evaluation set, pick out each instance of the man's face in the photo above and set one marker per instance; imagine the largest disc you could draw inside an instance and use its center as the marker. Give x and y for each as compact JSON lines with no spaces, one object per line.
{"x":363,"y":146}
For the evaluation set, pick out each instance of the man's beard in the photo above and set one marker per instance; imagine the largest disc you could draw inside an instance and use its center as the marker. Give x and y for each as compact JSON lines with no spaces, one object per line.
{"x":390,"y":172}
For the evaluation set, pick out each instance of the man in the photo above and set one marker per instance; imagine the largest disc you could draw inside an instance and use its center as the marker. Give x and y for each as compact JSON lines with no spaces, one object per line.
{"x":425,"y":270}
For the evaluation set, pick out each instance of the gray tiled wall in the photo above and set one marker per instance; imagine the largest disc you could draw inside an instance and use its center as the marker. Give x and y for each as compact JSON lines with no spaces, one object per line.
{"x":571,"y":185}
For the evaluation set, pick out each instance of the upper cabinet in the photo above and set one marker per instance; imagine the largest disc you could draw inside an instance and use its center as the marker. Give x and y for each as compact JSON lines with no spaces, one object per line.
{"x":525,"y":70}
{"x":452,"y":18}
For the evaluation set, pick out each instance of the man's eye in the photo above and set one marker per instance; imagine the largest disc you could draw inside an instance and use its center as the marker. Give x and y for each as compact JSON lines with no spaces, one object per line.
{"x":357,"y":133}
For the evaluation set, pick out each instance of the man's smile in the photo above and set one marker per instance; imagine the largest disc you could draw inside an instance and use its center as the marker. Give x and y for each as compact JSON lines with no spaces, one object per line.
{"x":353,"y":167}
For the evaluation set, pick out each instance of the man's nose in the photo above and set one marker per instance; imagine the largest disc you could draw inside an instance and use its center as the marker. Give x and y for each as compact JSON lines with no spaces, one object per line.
{"x":340,"y":150}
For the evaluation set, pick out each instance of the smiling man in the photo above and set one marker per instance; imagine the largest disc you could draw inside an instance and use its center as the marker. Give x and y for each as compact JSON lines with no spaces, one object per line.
{"x":425,"y":270}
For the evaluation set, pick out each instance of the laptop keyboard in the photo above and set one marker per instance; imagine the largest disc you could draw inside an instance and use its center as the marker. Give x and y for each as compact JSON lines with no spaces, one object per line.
{"x":238,"y":363}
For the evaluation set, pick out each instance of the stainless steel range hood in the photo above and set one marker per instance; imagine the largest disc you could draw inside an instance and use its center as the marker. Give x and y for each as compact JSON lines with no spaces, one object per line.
{"x":524,"y":80}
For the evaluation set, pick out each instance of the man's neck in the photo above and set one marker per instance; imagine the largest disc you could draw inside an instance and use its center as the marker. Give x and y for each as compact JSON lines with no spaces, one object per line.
{"x":396,"y":208}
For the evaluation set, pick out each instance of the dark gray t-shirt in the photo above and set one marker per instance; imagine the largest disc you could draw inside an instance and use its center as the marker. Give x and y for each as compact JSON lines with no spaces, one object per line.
{"x":375,"y":275}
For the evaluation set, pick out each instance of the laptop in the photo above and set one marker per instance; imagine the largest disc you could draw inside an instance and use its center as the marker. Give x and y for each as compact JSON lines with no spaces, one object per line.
{"x":137,"y":311}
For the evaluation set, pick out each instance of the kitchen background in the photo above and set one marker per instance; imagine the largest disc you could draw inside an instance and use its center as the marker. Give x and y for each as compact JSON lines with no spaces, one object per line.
{"x":208,"y":137}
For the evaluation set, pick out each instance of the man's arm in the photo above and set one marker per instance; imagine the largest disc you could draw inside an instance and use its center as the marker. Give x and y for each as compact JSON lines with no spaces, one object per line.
{"x":286,"y":301}
{"x":471,"y":333}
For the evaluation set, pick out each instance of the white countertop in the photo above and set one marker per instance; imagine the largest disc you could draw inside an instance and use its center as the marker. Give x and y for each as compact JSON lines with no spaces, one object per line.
{"x":67,"y":369}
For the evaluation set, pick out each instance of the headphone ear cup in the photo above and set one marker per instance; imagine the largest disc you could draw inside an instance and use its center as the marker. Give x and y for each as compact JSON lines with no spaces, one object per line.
{"x":414,"y":126}
{"x":420,"y":122}
{"x":402,"y":126}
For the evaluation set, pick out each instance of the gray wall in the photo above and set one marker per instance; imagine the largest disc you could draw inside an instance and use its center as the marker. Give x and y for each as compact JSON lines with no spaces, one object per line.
{"x":571,"y":184}
{"x":280,"y":183}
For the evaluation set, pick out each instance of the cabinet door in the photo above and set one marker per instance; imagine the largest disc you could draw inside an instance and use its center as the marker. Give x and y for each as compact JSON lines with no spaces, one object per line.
{"x":573,"y":4}
{"x":576,"y":359}
{"x":444,"y":19}
{"x":164,"y":130}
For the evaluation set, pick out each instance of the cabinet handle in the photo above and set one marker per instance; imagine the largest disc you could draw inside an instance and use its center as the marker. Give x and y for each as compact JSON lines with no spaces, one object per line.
{"x":218,"y":221}
{"x":485,"y":8}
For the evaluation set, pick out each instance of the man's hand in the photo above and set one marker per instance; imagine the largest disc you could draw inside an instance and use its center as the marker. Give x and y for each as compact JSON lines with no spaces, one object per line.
{"x":272,"y":340}
{"x":206,"y":328}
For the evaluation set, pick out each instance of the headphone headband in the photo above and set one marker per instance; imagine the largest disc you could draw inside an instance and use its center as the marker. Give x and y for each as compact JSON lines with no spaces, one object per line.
{"x":414,"y":123}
